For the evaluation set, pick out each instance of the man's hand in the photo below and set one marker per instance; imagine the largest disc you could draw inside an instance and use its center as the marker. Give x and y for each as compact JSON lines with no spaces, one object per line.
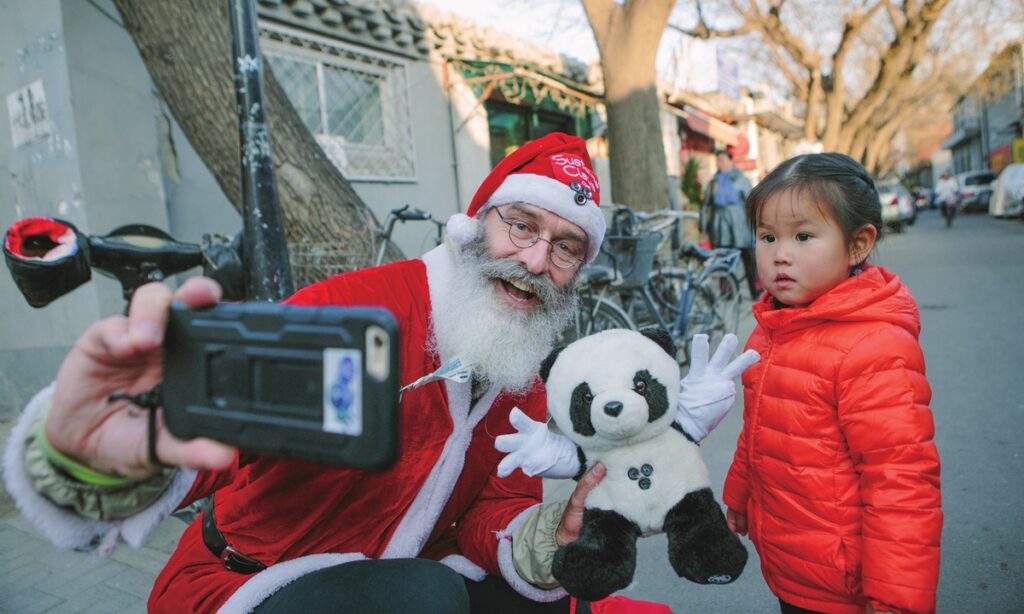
{"x":737,"y":522}
{"x":536,"y":450}
{"x":707,"y":392}
{"x":572,"y":520}
{"x":124,"y":354}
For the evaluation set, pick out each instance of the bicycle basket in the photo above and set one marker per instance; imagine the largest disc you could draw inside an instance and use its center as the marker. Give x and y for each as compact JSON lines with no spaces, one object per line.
{"x":632,"y":257}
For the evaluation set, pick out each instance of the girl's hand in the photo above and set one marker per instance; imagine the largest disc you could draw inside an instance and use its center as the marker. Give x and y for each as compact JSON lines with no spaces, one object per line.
{"x":737,"y":522}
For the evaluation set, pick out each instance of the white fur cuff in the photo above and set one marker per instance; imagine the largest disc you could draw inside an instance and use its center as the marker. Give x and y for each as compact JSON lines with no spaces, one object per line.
{"x":62,"y":527}
{"x":508,"y":567}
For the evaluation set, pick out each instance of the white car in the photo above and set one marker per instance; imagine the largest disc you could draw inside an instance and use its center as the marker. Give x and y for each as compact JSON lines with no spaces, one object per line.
{"x":1008,"y":192}
{"x":975,"y":189}
{"x":897,"y":205}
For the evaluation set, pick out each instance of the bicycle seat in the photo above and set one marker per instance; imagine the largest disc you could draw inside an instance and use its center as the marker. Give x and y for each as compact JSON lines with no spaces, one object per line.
{"x":692,"y":249}
{"x":596,"y":274}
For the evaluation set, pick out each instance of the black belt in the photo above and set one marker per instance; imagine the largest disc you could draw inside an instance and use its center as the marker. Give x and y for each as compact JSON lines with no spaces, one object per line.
{"x":233,"y":559}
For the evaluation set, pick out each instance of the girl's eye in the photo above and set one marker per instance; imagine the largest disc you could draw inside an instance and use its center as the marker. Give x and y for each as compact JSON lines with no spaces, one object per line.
{"x":802,"y":236}
{"x":768,"y":238}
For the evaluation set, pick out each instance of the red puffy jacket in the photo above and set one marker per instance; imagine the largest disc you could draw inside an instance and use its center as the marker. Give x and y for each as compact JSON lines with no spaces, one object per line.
{"x":835,"y":467}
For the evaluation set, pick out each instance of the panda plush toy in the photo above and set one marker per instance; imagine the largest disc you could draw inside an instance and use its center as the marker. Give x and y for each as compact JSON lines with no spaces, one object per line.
{"x":614,"y":395}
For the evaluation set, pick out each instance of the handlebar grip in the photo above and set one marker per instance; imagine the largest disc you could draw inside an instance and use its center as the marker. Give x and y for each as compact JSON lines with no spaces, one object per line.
{"x":47,"y":257}
{"x":411,"y":214}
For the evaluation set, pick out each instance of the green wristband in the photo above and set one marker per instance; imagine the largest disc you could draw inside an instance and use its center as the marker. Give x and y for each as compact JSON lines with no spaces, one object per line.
{"x":74,"y":468}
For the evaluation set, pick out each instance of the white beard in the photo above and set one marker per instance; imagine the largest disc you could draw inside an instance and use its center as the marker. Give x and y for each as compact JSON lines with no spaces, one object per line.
{"x":505,"y":345}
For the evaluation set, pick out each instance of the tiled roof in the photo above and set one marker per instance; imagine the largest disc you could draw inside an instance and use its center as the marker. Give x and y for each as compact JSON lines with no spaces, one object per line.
{"x":416,"y":31}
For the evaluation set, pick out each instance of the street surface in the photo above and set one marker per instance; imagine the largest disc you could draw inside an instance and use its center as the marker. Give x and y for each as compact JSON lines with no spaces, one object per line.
{"x":969,"y":283}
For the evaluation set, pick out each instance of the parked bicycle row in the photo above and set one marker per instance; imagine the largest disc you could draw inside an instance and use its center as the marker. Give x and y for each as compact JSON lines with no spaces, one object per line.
{"x":645,"y":275}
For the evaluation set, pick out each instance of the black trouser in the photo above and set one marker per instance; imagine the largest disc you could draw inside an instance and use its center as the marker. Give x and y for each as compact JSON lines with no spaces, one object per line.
{"x":789,"y":608}
{"x":400,"y":585}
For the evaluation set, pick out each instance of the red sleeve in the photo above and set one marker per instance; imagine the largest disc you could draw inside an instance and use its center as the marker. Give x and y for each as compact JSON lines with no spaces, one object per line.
{"x":501,"y":500}
{"x":884,"y":415}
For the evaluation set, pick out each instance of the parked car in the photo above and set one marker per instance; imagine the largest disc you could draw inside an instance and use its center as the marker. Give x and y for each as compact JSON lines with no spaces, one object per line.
{"x":1008,"y":192}
{"x":897,"y":205}
{"x":975,"y":190}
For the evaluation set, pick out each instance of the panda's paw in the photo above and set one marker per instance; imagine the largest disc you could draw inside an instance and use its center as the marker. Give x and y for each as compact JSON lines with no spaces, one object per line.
{"x":701,"y":548}
{"x":589,"y":573}
{"x":720,"y":561}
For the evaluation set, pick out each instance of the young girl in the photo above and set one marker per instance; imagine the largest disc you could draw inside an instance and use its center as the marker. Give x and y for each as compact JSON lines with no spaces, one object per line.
{"x":835,"y":477}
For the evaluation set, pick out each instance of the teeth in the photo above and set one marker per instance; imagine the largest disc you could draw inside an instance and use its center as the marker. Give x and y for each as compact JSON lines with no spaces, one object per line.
{"x":520,"y":285}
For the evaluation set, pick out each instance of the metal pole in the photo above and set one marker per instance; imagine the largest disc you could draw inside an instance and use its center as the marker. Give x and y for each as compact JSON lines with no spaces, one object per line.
{"x":264,"y":249}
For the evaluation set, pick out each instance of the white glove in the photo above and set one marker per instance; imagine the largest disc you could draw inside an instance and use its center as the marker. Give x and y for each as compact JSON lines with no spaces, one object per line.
{"x":707,"y":392}
{"x":536,"y":450}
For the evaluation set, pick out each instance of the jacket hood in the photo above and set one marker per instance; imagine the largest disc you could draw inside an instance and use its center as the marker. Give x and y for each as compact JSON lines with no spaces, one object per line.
{"x":873,"y":295}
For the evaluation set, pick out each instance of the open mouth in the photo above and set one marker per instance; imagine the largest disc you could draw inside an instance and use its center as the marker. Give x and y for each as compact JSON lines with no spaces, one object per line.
{"x":518,"y":291}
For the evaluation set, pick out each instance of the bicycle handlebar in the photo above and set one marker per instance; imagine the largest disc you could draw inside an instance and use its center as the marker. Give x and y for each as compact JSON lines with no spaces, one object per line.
{"x":49,"y":257}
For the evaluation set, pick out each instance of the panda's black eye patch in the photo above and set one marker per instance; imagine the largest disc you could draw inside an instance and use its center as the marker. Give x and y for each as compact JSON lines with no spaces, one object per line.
{"x":655,"y":393}
{"x":579,"y":410}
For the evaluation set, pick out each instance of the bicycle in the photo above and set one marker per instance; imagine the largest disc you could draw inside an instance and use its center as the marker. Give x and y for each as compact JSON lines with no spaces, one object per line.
{"x":404,"y":214}
{"x":701,"y":296}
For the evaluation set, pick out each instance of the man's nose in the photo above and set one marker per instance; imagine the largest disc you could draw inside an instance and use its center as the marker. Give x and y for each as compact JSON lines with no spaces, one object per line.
{"x":534,"y":258}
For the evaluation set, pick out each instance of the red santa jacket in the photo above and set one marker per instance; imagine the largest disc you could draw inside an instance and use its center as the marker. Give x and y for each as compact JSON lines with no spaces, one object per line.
{"x":835,"y":467}
{"x":440,"y":499}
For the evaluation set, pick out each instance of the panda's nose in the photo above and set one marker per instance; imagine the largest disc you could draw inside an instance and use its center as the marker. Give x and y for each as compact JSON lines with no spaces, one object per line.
{"x":613,"y":409}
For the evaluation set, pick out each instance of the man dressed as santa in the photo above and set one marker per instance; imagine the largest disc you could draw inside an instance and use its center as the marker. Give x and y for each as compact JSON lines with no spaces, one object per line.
{"x":439,"y":531}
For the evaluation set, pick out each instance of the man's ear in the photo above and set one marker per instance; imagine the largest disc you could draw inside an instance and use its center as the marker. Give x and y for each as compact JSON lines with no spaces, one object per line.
{"x":862,"y":243}
{"x":545,"y":367}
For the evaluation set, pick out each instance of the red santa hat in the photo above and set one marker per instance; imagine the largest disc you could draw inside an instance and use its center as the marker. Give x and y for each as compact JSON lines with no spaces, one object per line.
{"x":554,"y":173}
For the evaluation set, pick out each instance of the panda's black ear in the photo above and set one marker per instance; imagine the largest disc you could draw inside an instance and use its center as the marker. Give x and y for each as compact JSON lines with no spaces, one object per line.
{"x":545,"y":367}
{"x":660,"y":336}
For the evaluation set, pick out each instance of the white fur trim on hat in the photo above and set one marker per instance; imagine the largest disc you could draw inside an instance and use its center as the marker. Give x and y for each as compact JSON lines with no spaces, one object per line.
{"x":462,"y":229}
{"x":556,"y":197}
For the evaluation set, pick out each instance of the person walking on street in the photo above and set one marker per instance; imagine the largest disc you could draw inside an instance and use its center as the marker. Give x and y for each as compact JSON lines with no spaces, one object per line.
{"x":948,"y":194}
{"x":723,"y":218}
{"x":836,"y":474}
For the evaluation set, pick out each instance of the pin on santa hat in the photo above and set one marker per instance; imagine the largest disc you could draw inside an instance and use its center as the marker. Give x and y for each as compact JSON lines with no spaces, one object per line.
{"x":554,"y":173}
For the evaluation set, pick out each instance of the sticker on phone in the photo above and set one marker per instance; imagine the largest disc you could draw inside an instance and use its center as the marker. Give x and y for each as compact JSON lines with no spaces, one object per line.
{"x":343,"y":391}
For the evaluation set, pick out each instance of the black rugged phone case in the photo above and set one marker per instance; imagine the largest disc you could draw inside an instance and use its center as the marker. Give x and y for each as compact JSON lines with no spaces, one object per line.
{"x":252,"y":375}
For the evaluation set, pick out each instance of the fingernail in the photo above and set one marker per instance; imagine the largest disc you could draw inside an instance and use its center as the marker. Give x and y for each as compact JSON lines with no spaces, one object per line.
{"x":600,"y":469}
{"x":146,"y":332}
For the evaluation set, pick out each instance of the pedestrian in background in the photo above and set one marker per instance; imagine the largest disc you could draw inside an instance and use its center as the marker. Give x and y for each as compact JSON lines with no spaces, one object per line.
{"x":722,"y":216}
{"x":947,"y":192}
{"x":836,"y":475}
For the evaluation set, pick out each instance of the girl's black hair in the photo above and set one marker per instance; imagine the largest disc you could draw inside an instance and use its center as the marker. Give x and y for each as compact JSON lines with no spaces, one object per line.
{"x":832,"y":180}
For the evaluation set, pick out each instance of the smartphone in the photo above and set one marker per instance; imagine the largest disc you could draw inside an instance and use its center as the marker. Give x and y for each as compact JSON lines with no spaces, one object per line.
{"x":314,"y":383}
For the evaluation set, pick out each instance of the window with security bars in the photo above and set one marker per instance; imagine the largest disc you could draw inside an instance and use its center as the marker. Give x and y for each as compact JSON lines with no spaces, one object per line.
{"x":355,"y":104}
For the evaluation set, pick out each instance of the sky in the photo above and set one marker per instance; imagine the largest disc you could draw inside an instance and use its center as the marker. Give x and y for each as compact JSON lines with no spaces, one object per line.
{"x":559,"y":25}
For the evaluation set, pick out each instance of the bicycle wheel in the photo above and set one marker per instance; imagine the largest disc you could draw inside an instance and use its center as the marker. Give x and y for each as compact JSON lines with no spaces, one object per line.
{"x":705,"y":318}
{"x":594,"y":315}
{"x":666,"y":288}
{"x":726,"y":289}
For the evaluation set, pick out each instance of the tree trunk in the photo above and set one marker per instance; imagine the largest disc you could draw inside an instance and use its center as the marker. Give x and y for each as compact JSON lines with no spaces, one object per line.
{"x":186,"y":46}
{"x":627,"y":37}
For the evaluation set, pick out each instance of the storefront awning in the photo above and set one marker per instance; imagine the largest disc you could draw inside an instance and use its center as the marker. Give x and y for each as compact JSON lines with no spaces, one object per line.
{"x":702,"y":123}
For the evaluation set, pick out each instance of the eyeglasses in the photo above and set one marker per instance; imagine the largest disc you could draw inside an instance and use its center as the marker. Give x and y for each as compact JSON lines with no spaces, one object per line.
{"x":563,"y":253}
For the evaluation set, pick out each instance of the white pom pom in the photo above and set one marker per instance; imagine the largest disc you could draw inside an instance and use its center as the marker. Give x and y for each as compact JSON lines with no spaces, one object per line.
{"x":462,"y":229}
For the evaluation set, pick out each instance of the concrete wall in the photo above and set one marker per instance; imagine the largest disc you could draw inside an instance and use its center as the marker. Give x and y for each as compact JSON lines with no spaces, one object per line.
{"x":112,"y":156}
